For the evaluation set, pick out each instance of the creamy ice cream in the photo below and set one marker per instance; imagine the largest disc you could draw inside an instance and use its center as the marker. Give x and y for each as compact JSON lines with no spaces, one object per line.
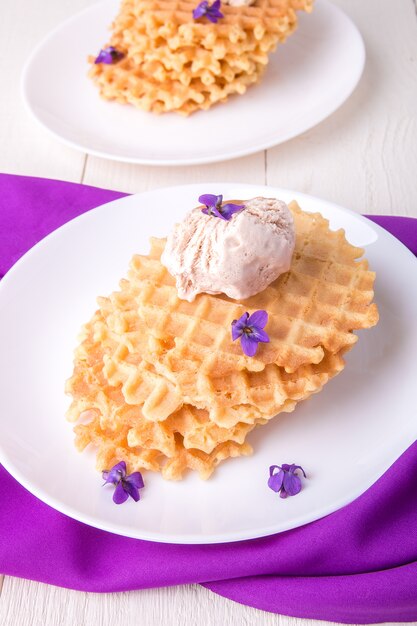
{"x":239,"y":257}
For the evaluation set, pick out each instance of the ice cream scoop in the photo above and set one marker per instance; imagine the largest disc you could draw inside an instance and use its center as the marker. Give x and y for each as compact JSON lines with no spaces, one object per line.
{"x":239,"y":256}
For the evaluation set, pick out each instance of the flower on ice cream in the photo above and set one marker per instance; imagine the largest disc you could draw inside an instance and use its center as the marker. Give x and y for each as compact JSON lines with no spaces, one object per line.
{"x":213,"y":206}
{"x":210,"y":11}
{"x":109,"y":56}
{"x":286,"y":481}
{"x":126,"y":484}
{"x":250,"y":330}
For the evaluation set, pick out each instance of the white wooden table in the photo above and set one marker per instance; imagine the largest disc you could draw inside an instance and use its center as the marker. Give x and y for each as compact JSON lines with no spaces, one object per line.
{"x":363,"y":157}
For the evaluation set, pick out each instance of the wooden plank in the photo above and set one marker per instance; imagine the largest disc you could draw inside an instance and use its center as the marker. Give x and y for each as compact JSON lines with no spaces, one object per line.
{"x":136,"y":178}
{"x":365,"y":155}
{"x":26,"y":147}
{"x":34,"y":604}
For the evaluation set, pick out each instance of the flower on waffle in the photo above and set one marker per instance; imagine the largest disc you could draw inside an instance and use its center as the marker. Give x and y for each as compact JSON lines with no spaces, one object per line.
{"x":109,"y":56}
{"x":213,"y":206}
{"x":286,"y":482}
{"x":126,"y":484}
{"x":210,"y":11}
{"x":250,"y":330}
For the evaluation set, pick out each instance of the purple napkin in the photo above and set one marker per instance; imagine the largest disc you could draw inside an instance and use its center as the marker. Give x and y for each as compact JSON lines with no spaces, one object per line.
{"x":358,"y":565}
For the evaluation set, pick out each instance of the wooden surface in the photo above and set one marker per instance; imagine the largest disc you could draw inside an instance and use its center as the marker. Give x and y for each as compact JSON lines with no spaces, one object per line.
{"x":363,"y":157}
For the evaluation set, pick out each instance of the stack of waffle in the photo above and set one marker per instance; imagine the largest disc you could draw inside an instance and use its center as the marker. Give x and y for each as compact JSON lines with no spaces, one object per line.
{"x":175,"y":63}
{"x":159,"y":383}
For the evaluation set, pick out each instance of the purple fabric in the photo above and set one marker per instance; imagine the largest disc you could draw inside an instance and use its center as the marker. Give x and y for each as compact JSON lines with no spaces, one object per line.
{"x":358,"y":565}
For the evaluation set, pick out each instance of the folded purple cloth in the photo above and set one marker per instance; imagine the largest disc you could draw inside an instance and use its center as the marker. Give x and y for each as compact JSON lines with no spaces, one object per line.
{"x":358,"y":565}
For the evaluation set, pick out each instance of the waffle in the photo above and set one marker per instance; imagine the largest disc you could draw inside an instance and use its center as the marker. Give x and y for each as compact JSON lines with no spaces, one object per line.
{"x":186,"y":440}
{"x":92,"y":391}
{"x":144,"y":369}
{"x":112,"y":446}
{"x":174,"y":63}
{"x":246,"y":396}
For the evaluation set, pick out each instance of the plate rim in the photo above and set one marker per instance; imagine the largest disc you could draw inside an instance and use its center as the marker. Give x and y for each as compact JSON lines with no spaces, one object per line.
{"x":259,"y":147}
{"x":184,"y":539}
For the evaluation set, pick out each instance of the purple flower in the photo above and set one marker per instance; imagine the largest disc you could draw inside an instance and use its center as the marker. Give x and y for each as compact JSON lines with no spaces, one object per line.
{"x":213,"y":206}
{"x":211,"y":12}
{"x":286,"y":481}
{"x":250,"y":331}
{"x":126,"y":485}
{"x":109,"y":55}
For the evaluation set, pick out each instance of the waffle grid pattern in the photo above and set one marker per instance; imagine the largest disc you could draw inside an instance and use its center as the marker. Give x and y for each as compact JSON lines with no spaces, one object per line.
{"x":174,"y":63}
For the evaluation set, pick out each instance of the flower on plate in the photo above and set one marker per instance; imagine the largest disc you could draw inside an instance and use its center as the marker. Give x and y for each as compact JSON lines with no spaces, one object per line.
{"x":126,"y":484}
{"x":213,"y":206}
{"x":109,"y":56}
{"x":250,"y":330}
{"x":210,"y":11}
{"x":286,"y":481}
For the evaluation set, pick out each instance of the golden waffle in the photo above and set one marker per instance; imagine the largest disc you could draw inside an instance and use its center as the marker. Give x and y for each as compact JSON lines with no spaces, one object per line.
{"x":245,"y":396}
{"x":162,"y":386}
{"x":118,"y":431}
{"x":91,"y":391}
{"x":174,"y":63}
{"x":113,"y":446}
{"x":126,"y":84}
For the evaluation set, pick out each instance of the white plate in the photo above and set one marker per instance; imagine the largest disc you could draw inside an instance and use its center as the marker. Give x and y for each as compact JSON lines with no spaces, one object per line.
{"x":307,"y":79}
{"x":345,"y":437}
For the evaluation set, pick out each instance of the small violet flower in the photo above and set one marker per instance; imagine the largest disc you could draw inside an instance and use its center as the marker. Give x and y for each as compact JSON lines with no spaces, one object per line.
{"x":213,"y":206}
{"x":126,"y":485}
{"x":210,"y":11}
{"x":109,"y":56}
{"x":285,"y":481}
{"x":249,"y":329}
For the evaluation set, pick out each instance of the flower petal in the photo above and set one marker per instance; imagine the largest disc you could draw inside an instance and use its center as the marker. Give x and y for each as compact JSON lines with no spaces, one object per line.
{"x":131,"y":490}
{"x":230,"y":209}
{"x":242,"y":322}
{"x":249,"y":345}
{"x":200,"y":9}
{"x":259,"y":319}
{"x":293,"y":468}
{"x":208,"y":199}
{"x":274,"y":467}
{"x":237,"y":332}
{"x":135,"y":479}
{"x":238,"y":326}
{"x":109,"y":55}
{"x":216,"y":212}
{"x":116,"y":473}
{"x":275,"y":481}
{"x":292,"y":483}
{"x":120,"y":495}
{"x":259,"y":335}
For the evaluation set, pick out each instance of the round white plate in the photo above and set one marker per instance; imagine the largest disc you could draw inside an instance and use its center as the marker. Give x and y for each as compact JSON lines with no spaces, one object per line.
{"x":308,"y":78}
{"x":345,"y":437}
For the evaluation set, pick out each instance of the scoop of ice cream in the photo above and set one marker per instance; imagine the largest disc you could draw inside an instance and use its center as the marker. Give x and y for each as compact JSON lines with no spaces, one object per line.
{"x":239,"y":257}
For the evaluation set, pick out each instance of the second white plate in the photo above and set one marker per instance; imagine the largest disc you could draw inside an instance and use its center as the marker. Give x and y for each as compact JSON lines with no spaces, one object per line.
{"x":307,"y":79}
